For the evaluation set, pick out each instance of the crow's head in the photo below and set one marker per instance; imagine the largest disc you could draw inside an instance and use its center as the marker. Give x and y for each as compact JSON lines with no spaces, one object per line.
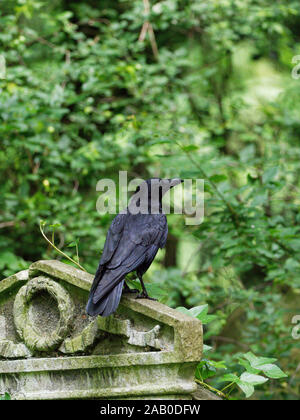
{"x":161,"y":185}
{"x":148,"y":195}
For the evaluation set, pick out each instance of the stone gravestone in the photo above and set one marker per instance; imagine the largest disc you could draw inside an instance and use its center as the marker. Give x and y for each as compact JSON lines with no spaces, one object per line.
{"x":50,"y":349}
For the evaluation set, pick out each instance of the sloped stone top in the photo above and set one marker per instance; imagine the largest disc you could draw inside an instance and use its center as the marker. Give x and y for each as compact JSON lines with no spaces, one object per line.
{"x":142,"y":334}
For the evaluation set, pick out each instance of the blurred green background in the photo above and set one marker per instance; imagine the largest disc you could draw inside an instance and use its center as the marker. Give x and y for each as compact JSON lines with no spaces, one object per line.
{"x":196,"y":89}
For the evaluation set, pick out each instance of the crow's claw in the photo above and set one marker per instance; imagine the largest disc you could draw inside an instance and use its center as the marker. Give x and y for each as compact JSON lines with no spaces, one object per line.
{"x":144,"y":295}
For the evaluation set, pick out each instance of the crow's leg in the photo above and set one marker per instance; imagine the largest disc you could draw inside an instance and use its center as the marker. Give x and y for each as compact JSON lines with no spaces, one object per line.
{"x":144,"y":293}
{"x":127,"y":289}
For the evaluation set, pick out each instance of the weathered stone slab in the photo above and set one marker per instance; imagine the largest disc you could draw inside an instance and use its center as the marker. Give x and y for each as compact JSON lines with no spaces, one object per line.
{"x":49,"y":348}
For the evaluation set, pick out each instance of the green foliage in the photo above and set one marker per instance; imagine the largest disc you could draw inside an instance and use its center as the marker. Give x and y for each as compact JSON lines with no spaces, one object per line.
{"x":254,"y":366}
{"x":5,"y":396}
{"x":207,"y":94}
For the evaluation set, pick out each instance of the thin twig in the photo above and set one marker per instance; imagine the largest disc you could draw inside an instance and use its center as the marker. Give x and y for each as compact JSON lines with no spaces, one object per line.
{"x":147,"y":27}
{"x":58,"y":250}
{"x":211,"y":388}
{"x":10,"y":223}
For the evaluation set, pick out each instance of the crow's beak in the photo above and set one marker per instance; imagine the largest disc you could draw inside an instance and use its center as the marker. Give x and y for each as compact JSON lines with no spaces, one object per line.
{"x":175,"y":181}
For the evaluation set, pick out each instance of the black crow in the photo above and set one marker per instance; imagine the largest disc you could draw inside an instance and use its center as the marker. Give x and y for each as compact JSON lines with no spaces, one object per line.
{"x":132,"y":242}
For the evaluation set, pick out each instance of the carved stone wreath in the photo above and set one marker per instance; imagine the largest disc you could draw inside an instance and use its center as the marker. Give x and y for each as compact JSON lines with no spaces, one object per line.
{"x":32,"y":337}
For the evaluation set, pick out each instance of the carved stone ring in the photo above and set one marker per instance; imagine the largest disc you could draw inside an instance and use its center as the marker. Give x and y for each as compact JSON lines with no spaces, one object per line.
{"x":33,"y":338}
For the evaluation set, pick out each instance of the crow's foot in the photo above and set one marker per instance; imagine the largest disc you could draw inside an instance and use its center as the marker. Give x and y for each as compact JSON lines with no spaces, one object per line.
{"x":144,"y":295}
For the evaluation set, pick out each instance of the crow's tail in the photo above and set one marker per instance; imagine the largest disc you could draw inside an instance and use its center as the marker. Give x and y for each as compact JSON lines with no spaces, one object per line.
{"x":107,"y":304}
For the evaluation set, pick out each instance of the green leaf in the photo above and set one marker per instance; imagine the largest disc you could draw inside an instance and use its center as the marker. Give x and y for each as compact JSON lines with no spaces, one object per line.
{"x":205,"y":370}
{"x":218,"y":178}
{"x":247,"y":388}
{"x":72,"y":244}
{"x":199,"y":312}
{"x":5,"y":396}
{"x":221,"y":364}
{"x":247,"y":366}
{"x":190,"y":148}
{"x":273,"y":371}
{"x":55,"y":225}
{"x":206,"y":348}
{"x":260,"y":199}
{"x":257,"y":361}
{"x":189,"y":174}
{"x":229,"y":377}
{"x":265,"y":364}
{"x":253,"y":379}
{"x":269,"y":174}
{"x":183,"y":310}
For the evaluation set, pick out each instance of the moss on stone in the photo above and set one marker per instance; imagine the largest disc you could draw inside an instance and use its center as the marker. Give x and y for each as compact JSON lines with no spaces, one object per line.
{"x":155,"y":348}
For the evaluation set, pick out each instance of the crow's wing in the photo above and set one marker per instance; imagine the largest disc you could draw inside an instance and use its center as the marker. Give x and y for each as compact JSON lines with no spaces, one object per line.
{"x":163,"y":238}
{"x":113,"y":237}
{"x":141,"y":237}
{"x":112,"y":240}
